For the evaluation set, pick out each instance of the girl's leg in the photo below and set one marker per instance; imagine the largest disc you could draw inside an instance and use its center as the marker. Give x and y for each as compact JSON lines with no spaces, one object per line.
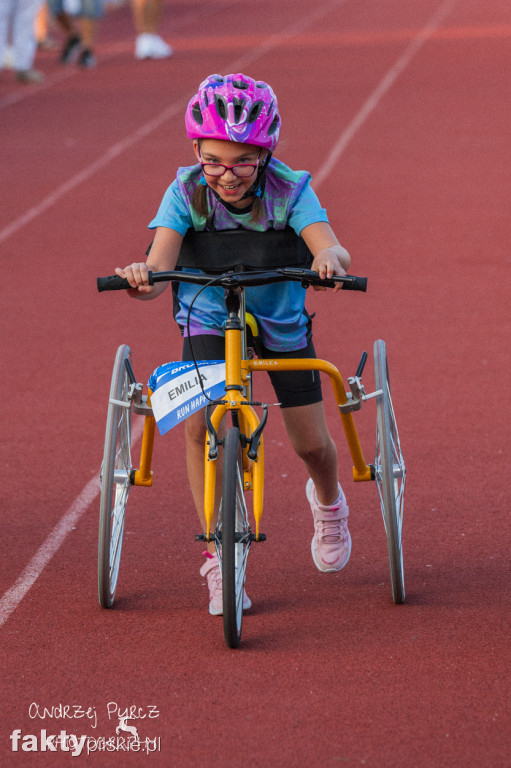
{"x":195,"y":431}
{"x":308,"y":432}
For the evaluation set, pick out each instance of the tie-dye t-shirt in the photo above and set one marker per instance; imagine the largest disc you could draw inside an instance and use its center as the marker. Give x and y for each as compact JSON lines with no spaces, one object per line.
{"x":288,"y":200}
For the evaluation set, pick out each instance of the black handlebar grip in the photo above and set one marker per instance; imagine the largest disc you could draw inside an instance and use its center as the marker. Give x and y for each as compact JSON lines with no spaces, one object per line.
{"x":356,"y":284}
{"x":116,"y":283}
{"x":361,"y":365}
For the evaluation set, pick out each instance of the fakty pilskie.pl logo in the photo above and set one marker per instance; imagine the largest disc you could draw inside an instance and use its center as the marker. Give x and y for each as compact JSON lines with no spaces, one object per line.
{"x":123,"y":729}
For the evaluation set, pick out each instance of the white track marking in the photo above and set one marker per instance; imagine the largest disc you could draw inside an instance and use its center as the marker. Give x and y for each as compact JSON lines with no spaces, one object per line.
{"x":379,"y":92}
{"x":91,"y":170}
{"x":55,"y":539}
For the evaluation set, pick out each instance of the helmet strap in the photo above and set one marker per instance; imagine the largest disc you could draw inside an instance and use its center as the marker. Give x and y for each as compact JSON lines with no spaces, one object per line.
{"x":257,"y":188}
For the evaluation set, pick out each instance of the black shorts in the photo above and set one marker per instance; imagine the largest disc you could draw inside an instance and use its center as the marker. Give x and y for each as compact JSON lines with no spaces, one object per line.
{"x":292,"y":388}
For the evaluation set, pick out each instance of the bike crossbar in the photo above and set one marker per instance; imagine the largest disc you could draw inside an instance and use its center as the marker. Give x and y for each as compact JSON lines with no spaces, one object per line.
{"x":361,"y":470}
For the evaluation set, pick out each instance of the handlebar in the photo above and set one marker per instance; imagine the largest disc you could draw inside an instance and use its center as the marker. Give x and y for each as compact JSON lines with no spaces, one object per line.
{"x":238,"y":279}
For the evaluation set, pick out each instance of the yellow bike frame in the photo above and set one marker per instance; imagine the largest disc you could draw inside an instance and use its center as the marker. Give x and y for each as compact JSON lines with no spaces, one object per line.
{"x":237,"y":381}
{"x":238,"y":372}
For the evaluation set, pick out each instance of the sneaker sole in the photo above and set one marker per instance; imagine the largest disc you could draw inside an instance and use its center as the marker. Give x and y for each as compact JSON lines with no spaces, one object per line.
{"x":219,"y":611}
{"x":328,"y":570}
{"x":153,"y":56}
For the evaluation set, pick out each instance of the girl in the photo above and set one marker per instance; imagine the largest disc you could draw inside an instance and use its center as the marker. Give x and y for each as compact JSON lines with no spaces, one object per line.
{"x":234,"y":125}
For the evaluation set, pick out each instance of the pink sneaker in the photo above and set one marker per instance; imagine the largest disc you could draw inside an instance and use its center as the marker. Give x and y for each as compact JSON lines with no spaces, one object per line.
{"x":211,"y":569}
{"x":331,"y":543}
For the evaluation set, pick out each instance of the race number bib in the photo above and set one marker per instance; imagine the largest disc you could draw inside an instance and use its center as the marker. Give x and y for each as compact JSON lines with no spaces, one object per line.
{"x":177,"y":390}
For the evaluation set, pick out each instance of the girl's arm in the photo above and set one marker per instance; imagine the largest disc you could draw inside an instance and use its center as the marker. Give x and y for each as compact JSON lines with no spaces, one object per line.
{"x":330,"y":258}
{"x":162,"y":257}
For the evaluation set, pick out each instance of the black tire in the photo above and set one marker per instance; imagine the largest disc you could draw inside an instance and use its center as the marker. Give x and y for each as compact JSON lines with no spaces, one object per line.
{"x":390,"y":472}
{"x":115,"y":479}
{"x":235,"y":538}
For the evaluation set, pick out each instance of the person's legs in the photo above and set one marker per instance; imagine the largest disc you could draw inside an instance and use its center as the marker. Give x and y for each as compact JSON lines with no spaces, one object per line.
{"x":67,"y":24}
{"x":92,"y":11}
{"x":87,"y":28}
{"x":42,"y":27}
{"x":309,"y":436}
{"x":146,"y":19}
{"x":195,"y":432}
{"x":147,"y":16}
{"x":23,"y":35}
{"x":6,"y":18}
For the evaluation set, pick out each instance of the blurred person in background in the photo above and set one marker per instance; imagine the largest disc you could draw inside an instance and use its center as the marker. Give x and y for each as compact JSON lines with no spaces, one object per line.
{"x":17,"y":19}
{"x":42,"y":28}
{"x":78,"y":19}
{"x":146,"y":18}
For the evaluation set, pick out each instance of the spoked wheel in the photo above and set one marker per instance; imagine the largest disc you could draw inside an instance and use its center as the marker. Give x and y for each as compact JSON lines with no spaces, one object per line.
{"x":235,"y":538}
{"x":390,"y":472}
{"x":115,"y":477}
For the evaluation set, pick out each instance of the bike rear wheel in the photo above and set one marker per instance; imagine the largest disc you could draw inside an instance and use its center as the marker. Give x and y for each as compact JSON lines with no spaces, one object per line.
{"x":390,"y":472}
{"x":115,"y":478}
{"x":235,"y":538}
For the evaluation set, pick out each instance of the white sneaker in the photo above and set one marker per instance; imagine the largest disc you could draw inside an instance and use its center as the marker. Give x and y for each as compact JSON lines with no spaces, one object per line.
{"x":151,"y":47}
{"x":143,"y":47}
{"x":161,"y":49}
{"x":211,"y":570}
{"x":331,"y":543}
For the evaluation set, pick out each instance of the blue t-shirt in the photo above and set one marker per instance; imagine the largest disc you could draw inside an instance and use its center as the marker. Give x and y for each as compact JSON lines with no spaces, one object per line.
{"x":288,"y":200}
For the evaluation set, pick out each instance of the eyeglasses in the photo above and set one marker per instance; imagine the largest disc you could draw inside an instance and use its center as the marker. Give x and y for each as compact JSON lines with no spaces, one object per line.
{"x":242,"y":170}
{"x":216,"y":169}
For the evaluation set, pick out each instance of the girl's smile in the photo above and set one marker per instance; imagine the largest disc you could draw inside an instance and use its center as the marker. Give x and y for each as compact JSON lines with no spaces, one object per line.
{"x":229,"y":186}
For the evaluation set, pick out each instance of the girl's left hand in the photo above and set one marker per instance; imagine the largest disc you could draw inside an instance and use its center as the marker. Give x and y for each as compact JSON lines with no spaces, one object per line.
{"x":329,"y":262}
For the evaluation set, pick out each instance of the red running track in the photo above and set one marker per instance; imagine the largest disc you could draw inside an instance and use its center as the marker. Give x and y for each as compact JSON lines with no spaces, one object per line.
{"x":402,"y":115}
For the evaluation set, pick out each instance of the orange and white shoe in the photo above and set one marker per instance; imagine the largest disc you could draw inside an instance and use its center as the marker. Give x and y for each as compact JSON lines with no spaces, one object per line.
{"x":331,"y":543}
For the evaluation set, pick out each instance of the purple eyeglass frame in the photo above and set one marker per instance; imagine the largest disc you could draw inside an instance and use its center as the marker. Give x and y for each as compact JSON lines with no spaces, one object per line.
{"x":229,"y":167}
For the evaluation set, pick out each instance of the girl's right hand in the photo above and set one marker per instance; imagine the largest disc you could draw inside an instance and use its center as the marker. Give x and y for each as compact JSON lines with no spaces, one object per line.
{"x":137,"y":275}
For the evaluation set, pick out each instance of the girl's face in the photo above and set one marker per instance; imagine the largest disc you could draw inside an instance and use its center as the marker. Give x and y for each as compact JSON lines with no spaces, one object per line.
{"x":228,"y":185}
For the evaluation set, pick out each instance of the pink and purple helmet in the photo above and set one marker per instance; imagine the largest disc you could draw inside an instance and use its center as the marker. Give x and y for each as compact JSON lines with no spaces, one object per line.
{"x":234,"y":108}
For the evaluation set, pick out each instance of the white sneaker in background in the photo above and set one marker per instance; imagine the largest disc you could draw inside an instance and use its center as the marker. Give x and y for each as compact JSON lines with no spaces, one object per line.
{"x":151,"y":47}
{"x":161,"y":49}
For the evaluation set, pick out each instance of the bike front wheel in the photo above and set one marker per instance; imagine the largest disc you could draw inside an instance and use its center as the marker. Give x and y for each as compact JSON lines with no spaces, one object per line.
{"x":390,"y":472}
{"x":235,"y":538}
{"x":115,"y":478}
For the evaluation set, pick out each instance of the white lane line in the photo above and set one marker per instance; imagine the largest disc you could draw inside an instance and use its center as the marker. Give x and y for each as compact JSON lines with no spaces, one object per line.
{"x":379,"y":92}
{"x":21,"y":95}
{"x":273,"y":41}
{"x":50,"y":546}
{"x":44,"y":554}
{"x":15,"y":594}
{"x":90,"y":170}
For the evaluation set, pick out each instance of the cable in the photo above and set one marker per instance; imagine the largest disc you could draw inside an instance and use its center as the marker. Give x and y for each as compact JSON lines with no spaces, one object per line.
{"x":194,"y":359}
